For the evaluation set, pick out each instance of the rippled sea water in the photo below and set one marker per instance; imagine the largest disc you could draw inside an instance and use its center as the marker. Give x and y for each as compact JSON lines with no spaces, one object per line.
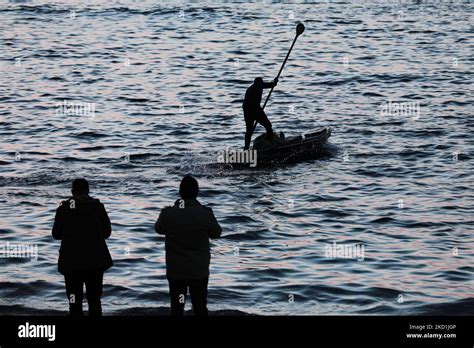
{"x":168,"y":80}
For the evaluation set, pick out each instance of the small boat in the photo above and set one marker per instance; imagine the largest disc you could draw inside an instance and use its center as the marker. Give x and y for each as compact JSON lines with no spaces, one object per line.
{"x":292,"y":149}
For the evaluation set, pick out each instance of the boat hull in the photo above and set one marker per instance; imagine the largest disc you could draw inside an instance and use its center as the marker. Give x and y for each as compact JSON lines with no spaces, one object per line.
{"x":302,"y":147}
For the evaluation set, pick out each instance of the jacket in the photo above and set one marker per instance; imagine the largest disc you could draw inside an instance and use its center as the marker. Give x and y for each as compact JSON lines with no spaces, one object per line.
{"x":82,"y":225}
{"x":187,"y":227}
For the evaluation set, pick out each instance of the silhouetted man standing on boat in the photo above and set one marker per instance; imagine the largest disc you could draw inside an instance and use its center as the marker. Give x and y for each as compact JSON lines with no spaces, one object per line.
{"x":253,"y":111}
{"x":82,"y":225}
{"x":187,"y":227}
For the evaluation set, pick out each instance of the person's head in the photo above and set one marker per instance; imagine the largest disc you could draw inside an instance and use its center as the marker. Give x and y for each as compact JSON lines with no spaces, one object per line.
{"x":258,"y":81}
{"x":80,"y":187}
{"x":189,"y":188}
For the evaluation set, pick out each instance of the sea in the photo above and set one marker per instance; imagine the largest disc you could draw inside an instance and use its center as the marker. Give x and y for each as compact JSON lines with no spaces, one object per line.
{"x":133,"y":95}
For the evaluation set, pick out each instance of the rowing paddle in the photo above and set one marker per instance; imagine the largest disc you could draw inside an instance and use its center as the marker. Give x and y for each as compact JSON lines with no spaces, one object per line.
{"x":299,"y":31}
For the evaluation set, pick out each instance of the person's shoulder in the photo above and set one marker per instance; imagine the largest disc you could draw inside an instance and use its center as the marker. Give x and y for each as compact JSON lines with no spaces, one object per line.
{"x":98,"y":202}
{"x":207,"y":209}
{"x":95,"y":202}
{"x":65,"y":204}
{"x":167,"y":209}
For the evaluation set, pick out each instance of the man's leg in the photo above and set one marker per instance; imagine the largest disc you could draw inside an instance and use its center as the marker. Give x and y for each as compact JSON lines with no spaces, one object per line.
{"x":94,"y":284}
{"x":178,"y":291}
{"x":249,"y":121}
{"x":75,"y":292}
{"x":198,"y":291}
{"x":264,"y":121}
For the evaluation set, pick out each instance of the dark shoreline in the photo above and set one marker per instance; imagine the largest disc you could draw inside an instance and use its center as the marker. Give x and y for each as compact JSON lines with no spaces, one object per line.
{"x":464,"y":307}
{"x":17,"y":310}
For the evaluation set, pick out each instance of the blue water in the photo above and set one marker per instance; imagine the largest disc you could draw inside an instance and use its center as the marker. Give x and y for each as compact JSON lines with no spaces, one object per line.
{"x":167,"y":81}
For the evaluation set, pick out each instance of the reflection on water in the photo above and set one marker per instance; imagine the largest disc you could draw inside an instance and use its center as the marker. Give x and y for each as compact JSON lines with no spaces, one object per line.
{"x":167,"y":83}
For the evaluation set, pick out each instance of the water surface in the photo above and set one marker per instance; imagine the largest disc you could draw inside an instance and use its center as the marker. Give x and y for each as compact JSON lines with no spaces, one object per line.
{"x":168,"y":80}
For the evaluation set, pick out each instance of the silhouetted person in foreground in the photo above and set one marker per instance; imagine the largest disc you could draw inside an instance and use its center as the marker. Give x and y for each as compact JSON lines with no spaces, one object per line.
{"x":253,"y":111}
{"x":187,"y":227}
{"x":82,"y":225}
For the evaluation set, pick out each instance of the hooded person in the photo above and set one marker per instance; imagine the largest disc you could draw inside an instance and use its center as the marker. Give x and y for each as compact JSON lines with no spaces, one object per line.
{"x":187,"y":227}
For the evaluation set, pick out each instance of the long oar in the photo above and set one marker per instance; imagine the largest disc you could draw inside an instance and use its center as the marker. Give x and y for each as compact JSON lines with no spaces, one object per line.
{"x":299,"y":31}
